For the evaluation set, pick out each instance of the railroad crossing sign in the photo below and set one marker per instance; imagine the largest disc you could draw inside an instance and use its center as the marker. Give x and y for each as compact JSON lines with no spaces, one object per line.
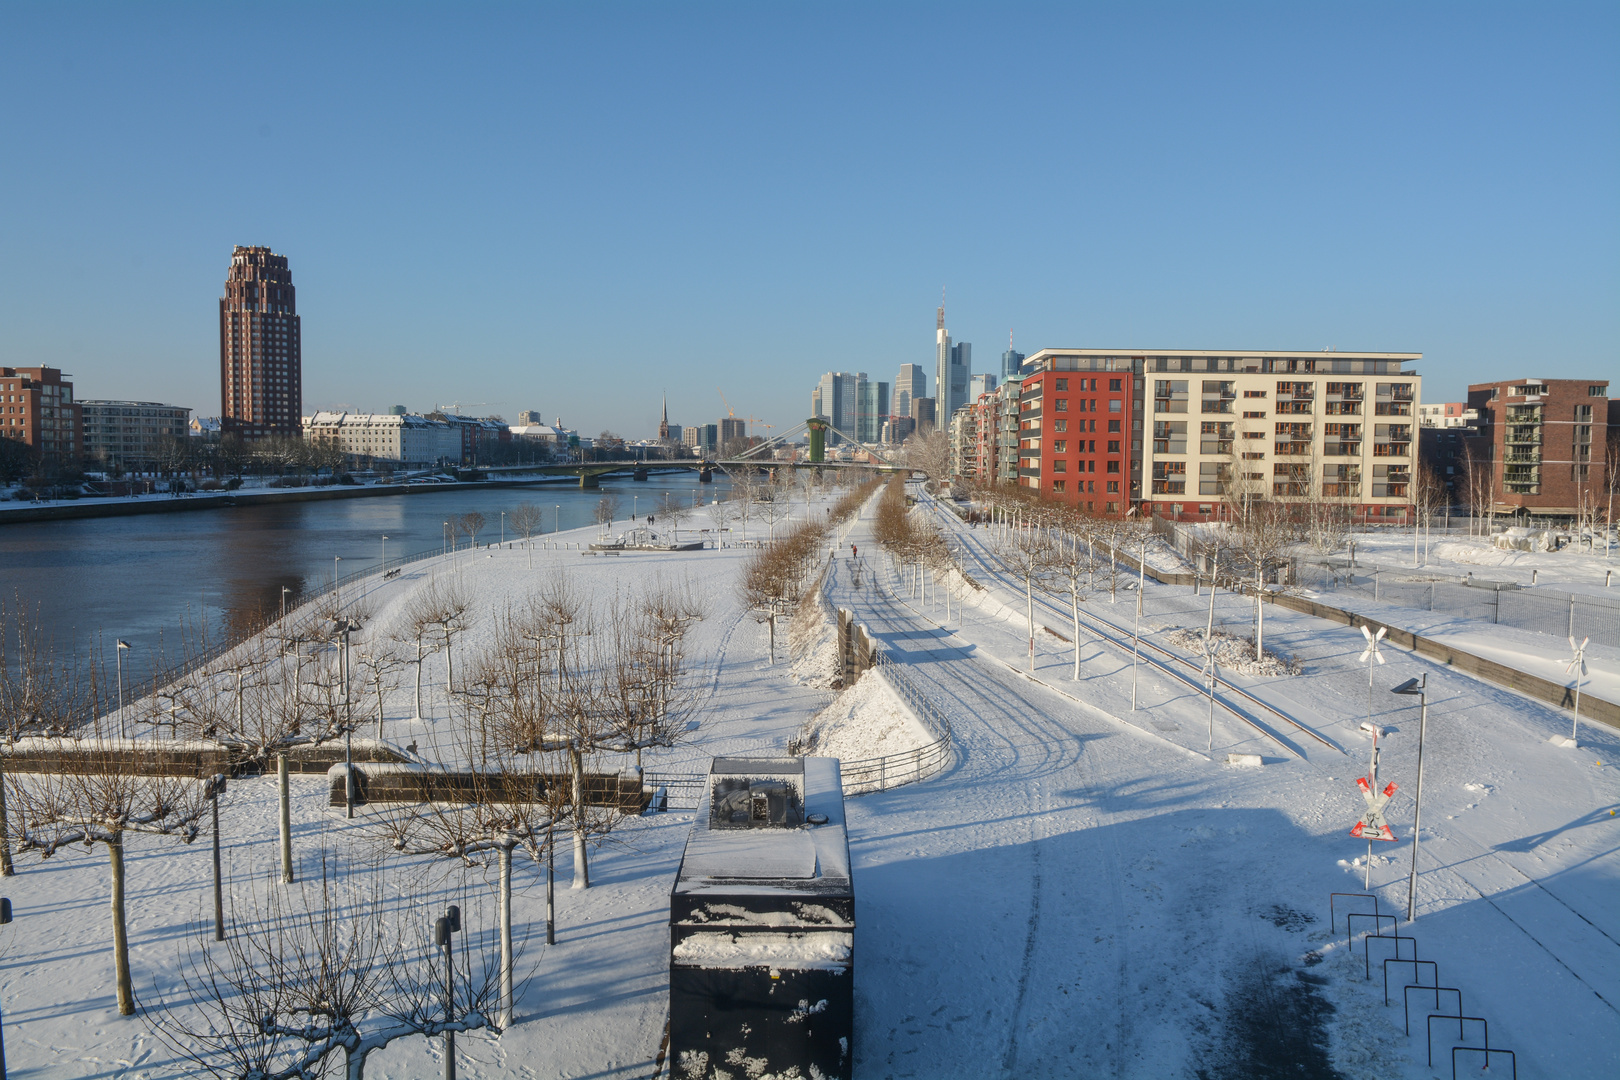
{"x":1372,"y":825}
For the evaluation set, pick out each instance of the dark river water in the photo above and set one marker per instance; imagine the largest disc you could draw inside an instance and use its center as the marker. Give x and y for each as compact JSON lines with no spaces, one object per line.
{"x":142,"y":578}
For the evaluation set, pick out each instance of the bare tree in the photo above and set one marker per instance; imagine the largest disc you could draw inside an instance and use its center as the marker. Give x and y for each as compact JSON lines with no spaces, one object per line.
{"x":327,"y":976}
{"x":469,"y":525}
{"x":673,"y":509}
{"x":122,"y":795}
{"x":607,"y":509}
{"x":771,"y":504}
{"x":1478,"y":478}
{"x":527,"y":519}
{"x":720,"y":512}
{"x":380,"y":665}
{"x":1070,"y":561}
{"x":1029,"y":551}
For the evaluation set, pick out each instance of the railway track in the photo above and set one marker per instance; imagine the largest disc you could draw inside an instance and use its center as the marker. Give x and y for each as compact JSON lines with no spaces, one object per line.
{"x":1120,"y":638}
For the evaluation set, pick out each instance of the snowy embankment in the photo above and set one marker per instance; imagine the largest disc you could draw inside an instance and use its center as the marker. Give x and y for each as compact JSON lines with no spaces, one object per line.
{"x":869,"y":720}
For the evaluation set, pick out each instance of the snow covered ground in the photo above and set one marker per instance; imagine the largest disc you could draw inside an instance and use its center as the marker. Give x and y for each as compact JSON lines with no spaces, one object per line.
{"x":1083,"y":892}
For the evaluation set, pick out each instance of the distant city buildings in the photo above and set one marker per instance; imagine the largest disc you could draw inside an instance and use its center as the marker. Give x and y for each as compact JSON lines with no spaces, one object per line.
{"x":923,"y":414}
{"x":1012,"y":362}
{"x":260,"y":350}
{"x":37,"y":408}
{"x":129,"y":435}
{"x":1450,"y":414}
{"x":980,"y":384}
{"x":910,"y":384}
{"x":953,"y":364}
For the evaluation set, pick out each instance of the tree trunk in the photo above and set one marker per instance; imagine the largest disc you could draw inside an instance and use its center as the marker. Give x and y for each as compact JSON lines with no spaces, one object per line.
{"x":286,"y":818}
{"x":6,"y":869}
{"x":1074,"y":609}
{"x":418,"y":715}
{"x":126,"y":989}
{"x":504,"y":1019}
{"x":1029,"y":601}
{"x":449,"y":665}
{"x":582,"y":870}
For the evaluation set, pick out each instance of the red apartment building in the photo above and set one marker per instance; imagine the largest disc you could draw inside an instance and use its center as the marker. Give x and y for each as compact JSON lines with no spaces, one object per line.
{"x":1544,"y":440}
{"x":1080,"y":430}
{"x":37,"y":408}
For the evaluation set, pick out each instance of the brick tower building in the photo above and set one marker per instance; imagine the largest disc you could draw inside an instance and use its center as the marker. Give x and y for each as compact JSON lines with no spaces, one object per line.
{"x":260,"y":355}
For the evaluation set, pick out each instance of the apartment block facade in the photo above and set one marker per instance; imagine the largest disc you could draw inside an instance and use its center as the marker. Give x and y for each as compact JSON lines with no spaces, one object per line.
{"x":1544,"y":441}
{"x":37,"y":407}
{"x":409,"y":441}
{"x":260,"y":347}
{"x":127,"y":434}
{"x":1287,"y":427}
{"x":1080,"y":428}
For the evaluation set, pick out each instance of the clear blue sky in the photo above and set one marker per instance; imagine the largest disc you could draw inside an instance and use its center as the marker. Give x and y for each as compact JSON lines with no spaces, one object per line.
{"x":570,"y":207}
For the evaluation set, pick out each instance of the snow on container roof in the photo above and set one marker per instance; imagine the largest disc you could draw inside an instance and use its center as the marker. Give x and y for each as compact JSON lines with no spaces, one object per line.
{"x":753,"y":855}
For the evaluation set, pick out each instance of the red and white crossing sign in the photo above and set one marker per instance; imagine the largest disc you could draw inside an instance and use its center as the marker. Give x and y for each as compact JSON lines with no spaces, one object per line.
{"x":1372,"y":825}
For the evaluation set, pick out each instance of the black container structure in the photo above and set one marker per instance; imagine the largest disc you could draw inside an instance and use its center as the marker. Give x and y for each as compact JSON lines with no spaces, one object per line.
{"x":762,"y":926}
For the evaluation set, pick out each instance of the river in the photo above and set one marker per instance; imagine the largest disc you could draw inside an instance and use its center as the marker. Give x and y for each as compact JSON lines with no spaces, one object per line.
{"x":143,"y":578}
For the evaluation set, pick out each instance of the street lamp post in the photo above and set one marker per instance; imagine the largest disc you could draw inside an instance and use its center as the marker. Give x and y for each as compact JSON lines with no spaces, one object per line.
{"x":558,"y":529}
{"x":216,"y":788}
{"x":122,"y":645}
{"x":385,"y":555}
{"x":503,"y":528}
{"x":1418,"y":687}
{"x":5,"y":917}
{"x":344,"y":628}
{"x":285,"y":589}
{"x":337,"y":596}
{"x":449,"y":923}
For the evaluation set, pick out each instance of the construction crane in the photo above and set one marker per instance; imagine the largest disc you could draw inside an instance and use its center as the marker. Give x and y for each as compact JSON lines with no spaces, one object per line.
{"x":729,"y":414}
{"x":459,"y":405}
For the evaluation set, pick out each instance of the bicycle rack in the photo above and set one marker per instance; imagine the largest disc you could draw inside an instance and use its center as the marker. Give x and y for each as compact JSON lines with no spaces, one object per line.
{"x":1366,"y":955}
{"x":1378,"y":926}
{"x":1406,"y":1006}
{"x":1487,"y":1051}
{"x":1333,"y":915}
{"x":1460,"y":1019}
{"x":1415,"y":964}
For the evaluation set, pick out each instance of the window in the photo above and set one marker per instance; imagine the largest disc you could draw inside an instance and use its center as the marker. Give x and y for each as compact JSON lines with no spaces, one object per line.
{"x":1060,"y":446}
{"x":1583,"y":414}
{"x":1113,"y":487}
{"x":1113,"y":467}
{"x":1061,"y":405}
{"x":1113,"y":446}
{"x":1115,"y":405}
{"x":1597,"y":391}
{"x":1254,"y":393}
{"x":1060,"y":425}
{"x":1060,"y":466}
{"x":1114,"y":386}
{"x":1113,"y":427}
{"x":1063,"y":384}
{"x":1060,"y":485}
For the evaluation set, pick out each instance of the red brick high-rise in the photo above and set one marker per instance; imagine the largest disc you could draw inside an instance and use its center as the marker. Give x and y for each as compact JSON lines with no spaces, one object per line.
{"x":260,"y":353}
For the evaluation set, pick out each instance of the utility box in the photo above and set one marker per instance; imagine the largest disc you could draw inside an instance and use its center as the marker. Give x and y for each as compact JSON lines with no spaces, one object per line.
{"x":762,"y":926}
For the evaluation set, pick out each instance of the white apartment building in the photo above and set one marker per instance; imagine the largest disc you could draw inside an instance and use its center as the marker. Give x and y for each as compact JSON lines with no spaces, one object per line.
{"x":410,"y":441}
{"x":126,"y":434}
{"x":1280,"y":426}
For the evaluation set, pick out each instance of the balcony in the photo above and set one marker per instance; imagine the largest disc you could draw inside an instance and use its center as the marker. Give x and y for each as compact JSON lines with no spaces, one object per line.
{"x":1169,"y":405}
{"x":1291,"y":449}
{"x":1393,"y":408}
{"x":1169,"y":487}
{"x":1297,"y":491}
{"x":1169,"y":446}
{"x":1401,"y":393}
{"x":1217,"y":405}
{"x":1399,"y":449}
{"x":1341,"y":491}
{"x":1214,"y":446}
{"x":1342,"y":449}
{"x":1285,"y":408}
{"x":1523,"y":436}
{"x":1523,"y":457}
{"x":1211,"y":487}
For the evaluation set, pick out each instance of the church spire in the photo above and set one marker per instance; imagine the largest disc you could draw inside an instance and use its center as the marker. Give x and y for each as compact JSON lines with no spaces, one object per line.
{"x":663,"y":421}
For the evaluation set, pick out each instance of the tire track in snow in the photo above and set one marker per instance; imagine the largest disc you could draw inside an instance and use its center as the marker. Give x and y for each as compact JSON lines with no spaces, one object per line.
{"x":1020,"y":713}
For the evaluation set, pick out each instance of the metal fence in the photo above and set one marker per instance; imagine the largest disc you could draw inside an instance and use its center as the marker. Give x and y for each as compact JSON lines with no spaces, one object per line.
{"x":1549,"y":611}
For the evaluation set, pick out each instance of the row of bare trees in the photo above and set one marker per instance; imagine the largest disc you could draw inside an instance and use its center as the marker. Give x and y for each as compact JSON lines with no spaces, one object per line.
{"x":775,"y":577}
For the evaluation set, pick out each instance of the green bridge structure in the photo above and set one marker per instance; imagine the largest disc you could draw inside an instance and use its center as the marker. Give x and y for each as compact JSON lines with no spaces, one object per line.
{"x":590,"y":473}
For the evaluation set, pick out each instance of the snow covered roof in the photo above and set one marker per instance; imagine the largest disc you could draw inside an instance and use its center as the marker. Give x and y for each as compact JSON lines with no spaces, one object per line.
{"x":785,"y":853}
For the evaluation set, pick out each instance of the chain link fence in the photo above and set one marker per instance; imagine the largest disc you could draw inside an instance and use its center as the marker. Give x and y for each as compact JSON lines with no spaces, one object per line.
{"x":1548,"y":611}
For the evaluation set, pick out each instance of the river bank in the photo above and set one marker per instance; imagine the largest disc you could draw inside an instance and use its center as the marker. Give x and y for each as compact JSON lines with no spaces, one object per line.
{"x":122,"y":506}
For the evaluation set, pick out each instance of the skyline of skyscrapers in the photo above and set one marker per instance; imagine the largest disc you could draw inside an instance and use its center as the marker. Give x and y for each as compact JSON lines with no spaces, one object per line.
{"x":953,"y":364}
{"x":261,"y":385}
{"x":910,"y":384}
